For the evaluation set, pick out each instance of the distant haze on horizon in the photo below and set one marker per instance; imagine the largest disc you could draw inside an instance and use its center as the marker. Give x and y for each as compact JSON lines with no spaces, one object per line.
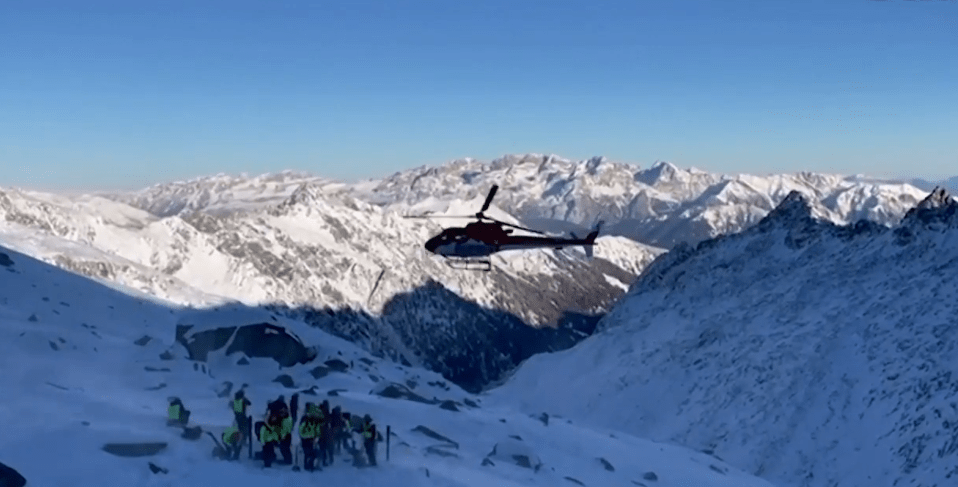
{"x":122,"y":95}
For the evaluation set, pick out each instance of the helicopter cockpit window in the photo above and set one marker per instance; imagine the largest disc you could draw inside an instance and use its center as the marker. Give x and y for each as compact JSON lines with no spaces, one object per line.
{"x":453,"y":235}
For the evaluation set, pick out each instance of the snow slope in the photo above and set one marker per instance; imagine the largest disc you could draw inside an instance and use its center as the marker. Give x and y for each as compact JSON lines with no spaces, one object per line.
{"x":82,"y":367}
{"x":805,"y":353}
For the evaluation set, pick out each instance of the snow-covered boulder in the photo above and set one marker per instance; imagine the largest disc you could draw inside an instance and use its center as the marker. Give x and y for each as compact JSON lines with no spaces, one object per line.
{"x":393,"y":390}
{"x":515,"y":451}
{"x":232,"y":331}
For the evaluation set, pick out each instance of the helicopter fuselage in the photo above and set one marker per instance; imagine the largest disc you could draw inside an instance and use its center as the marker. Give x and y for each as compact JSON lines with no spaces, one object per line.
{"x":485,"y":239}
{"x":487,"y":236}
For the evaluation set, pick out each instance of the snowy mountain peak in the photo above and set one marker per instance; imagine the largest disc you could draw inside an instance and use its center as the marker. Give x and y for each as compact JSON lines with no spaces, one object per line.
{"x":306,"y":194}
{"x":793,"y":209}
{"x":661,"y":172}
{"x":936,"y":199}
{"x":937,"y":207}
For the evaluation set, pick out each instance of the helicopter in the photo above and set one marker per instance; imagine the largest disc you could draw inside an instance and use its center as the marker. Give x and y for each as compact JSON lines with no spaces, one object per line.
{"x":466,"y":248}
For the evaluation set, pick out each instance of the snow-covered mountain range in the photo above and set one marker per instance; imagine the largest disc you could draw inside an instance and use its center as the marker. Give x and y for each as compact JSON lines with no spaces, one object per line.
{"x":343,"y":264}
{"x":343,"y":257}
{"x":659,"y":206}
{"x":87,"y":370}
{"x":806,"y":353}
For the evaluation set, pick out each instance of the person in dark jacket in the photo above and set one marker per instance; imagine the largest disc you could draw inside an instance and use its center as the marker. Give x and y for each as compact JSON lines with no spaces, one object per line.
{"x":369,"y":439}
{"x":345,"y":434}
{"x":277,"y":406}
{"x":336,"y":426}
{"x":325,"y":438}
{"x":294,"y":407}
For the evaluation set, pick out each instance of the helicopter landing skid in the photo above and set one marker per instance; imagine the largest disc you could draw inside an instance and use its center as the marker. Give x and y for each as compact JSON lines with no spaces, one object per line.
{"x":465,"y":264}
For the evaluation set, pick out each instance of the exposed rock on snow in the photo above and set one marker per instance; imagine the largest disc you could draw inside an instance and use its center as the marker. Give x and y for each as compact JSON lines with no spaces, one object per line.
{"x":254,"y":340}
{"x":515,"y":452}
{"x":336,"y":365}
{"x":10,"y":477}
{"x":399,"y":391}
{"x":286,"y":381}
{"x":134,"y":449}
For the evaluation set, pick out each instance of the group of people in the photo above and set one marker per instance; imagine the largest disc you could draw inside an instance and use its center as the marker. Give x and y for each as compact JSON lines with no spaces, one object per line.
{"x":322,"y":432}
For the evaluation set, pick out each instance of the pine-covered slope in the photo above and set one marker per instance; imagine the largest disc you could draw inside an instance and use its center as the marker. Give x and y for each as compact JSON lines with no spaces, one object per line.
{"x":805,"y":353}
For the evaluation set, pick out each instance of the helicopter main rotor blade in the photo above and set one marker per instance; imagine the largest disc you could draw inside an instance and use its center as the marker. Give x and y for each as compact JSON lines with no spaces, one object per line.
{"x":515,"y":226}
{"x":439,"y":216}
{"x":492,"y":194}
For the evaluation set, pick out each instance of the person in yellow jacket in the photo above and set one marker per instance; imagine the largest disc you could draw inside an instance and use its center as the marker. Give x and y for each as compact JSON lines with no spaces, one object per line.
{"x":309,"y":430}
{"x":233,"y":442}
{"x":276,"y":432}
{"x":177,"y":414}
{"x":239,"y":405}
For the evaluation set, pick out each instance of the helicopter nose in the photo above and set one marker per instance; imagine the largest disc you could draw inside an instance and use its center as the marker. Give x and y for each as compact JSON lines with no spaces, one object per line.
{"x":432,"y":244}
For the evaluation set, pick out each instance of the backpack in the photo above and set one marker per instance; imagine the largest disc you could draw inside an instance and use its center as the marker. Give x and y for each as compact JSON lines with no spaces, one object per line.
{"x":257,"y":428}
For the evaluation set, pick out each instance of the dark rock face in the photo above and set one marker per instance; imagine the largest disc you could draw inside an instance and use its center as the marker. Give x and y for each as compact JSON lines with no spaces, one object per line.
{"x":142,"y":341}
{"x":192,"y":433}
{"x":5,"y":260}
{"x":10,"y":477}
{"x":286,"y":381}
{"x":319,"y":372}
{"x":157,"y":469}
{"x":337,"y":365}
{"x":134,"y":449}
{"x":449,"y":405}
{"x":263,"y":340}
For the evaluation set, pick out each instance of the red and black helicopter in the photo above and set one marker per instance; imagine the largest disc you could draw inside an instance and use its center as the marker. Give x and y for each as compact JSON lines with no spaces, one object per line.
{"x":466,"y":247}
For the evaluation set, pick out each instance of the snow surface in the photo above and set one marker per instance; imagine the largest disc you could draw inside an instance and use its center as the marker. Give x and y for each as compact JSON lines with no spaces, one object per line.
{"x":74,"y":380}
{"x":804,"y":353}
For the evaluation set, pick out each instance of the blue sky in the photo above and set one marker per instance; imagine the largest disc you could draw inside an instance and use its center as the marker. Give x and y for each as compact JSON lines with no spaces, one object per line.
{"x":111,"y":95}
